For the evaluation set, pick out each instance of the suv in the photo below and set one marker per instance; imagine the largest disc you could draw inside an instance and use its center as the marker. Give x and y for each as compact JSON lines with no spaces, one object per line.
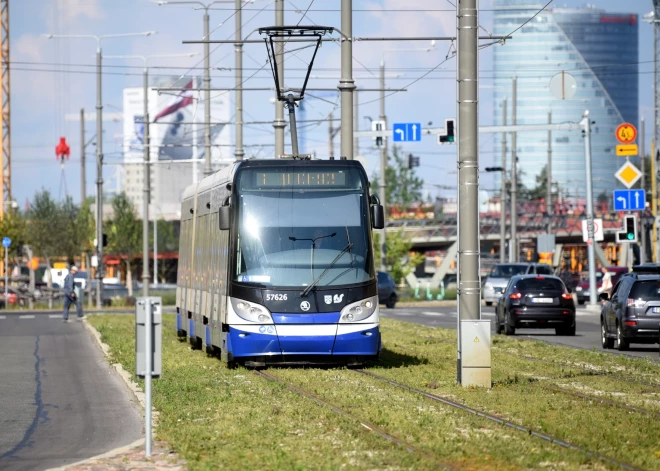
{"x":582,"y":289}
{"x":387,"y":290}
{"x":632,"y":314}
{"x":501,"y":273}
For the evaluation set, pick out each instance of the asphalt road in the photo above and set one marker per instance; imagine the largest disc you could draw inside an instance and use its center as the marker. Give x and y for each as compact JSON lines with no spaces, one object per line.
{"x":587,"y":335}
{"x":60,"y":401}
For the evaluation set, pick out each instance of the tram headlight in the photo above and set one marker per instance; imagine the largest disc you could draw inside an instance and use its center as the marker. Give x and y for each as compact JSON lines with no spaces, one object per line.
{"x":251,"y":312}
{"x":360,"y":310}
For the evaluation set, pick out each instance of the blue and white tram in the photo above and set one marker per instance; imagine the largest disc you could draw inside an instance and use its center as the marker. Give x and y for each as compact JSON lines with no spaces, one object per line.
{"x":276,"y":263}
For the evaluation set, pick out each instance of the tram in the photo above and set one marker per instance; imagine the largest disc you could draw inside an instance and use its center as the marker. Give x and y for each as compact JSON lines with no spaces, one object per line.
{"x":276,"y":263}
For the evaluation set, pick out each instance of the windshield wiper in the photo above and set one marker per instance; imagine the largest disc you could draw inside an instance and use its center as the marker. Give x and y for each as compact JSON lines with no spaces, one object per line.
{"x":306,"y":291}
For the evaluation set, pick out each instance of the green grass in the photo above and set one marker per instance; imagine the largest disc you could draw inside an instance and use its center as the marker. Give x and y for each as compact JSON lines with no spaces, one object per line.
{"x":217,"y":417}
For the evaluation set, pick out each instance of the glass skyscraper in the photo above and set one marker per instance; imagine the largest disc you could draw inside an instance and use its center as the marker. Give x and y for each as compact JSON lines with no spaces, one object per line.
{"x":600,"y":50}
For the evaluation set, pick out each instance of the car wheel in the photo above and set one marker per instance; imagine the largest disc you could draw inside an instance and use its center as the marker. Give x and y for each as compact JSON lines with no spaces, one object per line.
{"x":580,"y":302}
{"x":605,"y":340}
{"x":508,"y":328}
{"x":498,"y":325}
{"x":621,"y":343}
{"x":489,"y":303}
{"x":391,"y":302}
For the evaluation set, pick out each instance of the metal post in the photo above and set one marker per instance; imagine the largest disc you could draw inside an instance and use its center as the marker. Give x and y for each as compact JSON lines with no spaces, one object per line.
{"x":155,"y":250}
{"x":346,"y":83}
{"x":469,"y":288}
{"x":356,"y":121}
{"x":513,"y":243}
{"x":331,"y":135}
{"x":145,"y":188}
{"x":279,"y":123}
{"x":99,"y":182}
{"x":6,"y":276}
{"x":195,"y":150}
{"x":83,"y":194}
{"x":238,"y":97}
{"x":291,"y":105}
{"x":503,"y":190}
{"x":591,"y":253}
{"x":207,"y":99}
{"x":548,"y":176}
{"x":383,"y":170}
{"x":147,"y":375}
{"x":642,"y":256}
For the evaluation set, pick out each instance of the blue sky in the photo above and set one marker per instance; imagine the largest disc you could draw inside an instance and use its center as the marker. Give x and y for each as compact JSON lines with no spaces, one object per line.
{"x":43,"y":93}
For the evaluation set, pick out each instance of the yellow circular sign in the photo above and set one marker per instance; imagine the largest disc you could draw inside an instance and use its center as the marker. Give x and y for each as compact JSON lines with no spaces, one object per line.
{"x":626,"y":133}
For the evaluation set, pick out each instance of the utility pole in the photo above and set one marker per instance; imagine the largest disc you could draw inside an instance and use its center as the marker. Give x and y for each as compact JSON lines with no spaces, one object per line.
{"x":331,"y":135}
{"x":356,"y":121}
{"x":513,"y":243}
{"x":382,"y":194}
{"x":207,"y":97}
{"x":238,"y":150}
{"x":469,"y":286}
{"x":346,"y":83}
{"x":146,"y":187}
{"x":279,"y":123}
{"x":83,"y":184}
{"x":642,"y":256}
{"x":548,"y":176}
{"x":503,"y":189}
{"x":591,"y":253}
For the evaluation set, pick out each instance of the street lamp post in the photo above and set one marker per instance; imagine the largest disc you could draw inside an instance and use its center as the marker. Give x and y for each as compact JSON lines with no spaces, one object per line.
{"x":383,"y":149}
{"x":147,"y":172}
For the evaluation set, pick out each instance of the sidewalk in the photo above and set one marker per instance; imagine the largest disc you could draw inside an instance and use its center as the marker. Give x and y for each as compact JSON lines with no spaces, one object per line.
{"x":130,"y":457}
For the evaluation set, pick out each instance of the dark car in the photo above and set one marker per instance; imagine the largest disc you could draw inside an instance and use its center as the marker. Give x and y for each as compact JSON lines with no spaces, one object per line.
{"x":632,"y":314}
{"x":582,"y":288}
{"x":501,"y":273}
{"x":535,"y":301}
{"x":387,"y":290}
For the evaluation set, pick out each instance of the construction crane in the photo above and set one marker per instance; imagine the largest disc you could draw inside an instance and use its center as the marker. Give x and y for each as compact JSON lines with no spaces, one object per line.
{"x":5,"y":152}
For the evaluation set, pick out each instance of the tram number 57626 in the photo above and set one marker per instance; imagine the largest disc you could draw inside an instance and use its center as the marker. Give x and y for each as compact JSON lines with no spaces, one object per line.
{"x":276,"y":297}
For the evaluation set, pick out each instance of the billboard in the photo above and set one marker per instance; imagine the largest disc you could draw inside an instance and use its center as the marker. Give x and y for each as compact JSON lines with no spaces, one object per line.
{"x":177,"y":125}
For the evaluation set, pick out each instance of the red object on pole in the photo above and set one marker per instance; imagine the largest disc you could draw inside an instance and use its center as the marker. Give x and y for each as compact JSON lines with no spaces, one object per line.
{"x":62,"y":149}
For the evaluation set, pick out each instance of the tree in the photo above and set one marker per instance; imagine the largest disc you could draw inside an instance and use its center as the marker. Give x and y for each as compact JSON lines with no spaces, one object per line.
{"x":402,"y":186}
{"x":541,"y":188}
{"x":399,"y":259}
{"x":44,"y":231}
{"x":13,"y":225}
{"x":125,"y":234}
{"x":167,"y":242}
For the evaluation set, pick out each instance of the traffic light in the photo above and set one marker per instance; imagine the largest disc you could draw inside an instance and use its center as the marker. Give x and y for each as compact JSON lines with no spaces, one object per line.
{"x":629,"y":232}
{"x":448,"y":136}
{"x":105,"y":240}
{"x":412,"y":161}
{"x":378,"y":126}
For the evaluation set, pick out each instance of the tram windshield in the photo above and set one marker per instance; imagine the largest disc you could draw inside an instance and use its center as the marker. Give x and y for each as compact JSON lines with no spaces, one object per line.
{"x":294,"y":223}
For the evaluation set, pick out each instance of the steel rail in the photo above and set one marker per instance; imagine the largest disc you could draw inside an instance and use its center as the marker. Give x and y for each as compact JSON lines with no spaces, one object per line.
{"x":368,"y":425}
{"x":501,"y":421}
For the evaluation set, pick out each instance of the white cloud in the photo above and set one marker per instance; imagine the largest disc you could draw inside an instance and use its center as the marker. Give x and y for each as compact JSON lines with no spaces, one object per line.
{"x":28,"y":47}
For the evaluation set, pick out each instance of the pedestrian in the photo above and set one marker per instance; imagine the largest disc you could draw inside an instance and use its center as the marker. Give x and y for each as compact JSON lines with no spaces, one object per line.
{"x":606,"y":284}
{"x":70,"y":296}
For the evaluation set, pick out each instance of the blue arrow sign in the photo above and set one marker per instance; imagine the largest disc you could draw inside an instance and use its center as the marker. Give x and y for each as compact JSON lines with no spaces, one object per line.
{"x":6,"y":241}
{"x":407,"y":132}
{"x":629,"y":200}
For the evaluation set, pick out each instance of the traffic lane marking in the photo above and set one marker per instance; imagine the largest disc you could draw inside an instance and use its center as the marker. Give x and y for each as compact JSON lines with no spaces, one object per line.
{"x":26,"y":316}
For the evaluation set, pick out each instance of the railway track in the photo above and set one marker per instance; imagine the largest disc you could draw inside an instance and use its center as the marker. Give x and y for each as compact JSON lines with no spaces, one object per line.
{"x":368,"y":425}
{"x":502,"y":421}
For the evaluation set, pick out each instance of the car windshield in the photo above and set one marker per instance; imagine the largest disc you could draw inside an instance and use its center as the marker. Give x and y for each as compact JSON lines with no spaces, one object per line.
{"x":539,"y":284}
{"x":647,"y":290}
{"x":507,"y":271}
{"x":294,"y":224}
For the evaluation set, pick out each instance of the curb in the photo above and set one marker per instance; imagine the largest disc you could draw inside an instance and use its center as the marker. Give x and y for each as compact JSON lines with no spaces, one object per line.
{"x":135,"y":389}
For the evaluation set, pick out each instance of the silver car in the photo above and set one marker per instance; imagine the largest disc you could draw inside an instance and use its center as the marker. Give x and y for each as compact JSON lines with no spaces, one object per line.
{"x":501,"y":273}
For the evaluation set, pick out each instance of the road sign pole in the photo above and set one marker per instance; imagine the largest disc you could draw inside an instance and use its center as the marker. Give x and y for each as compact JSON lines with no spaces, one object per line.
{"x":6,"y":275}
{"x":586,"y":123}
{"x":383,"y":170}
